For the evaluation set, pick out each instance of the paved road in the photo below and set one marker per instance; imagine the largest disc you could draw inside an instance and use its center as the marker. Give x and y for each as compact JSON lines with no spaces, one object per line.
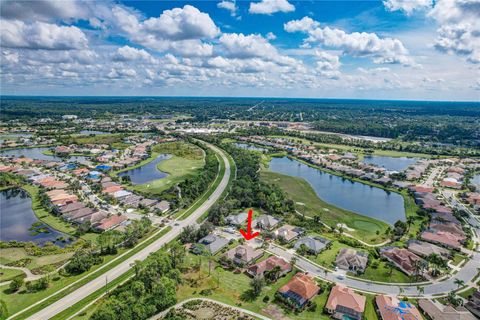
{"x":467,"y":273}
{"x":177,"y":226}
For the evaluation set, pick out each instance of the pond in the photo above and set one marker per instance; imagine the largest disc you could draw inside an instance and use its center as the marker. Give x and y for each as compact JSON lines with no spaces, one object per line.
{"x":247,"y":146}
{"x":37,"y":153}
{"x":18,"y":221}
{"x":390,"y":163}
{"x":89,"y":132}
{"x":148,"y":172}
{"x":343,"y":193}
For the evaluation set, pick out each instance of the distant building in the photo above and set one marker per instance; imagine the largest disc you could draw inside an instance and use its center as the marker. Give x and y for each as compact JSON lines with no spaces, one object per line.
{"x":344,"y":303}
{"x":69,"y":117}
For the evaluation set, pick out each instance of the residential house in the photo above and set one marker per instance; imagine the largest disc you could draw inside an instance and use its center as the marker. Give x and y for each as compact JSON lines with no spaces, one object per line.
{"x":266,"y":222}
{"x":445,"y":239}
{"x":437,"y":311}
{"x":344,"y":303}
{"x":212,"y":243}
{"x":162,"y":207}
{"x":301,"y":289}
{"x":258,"y":269}
{"x":77,"y":214}
{"x":402,"y":258}
{"x":391,"y":308}
{"x":424,"y":249}
{"x":244,"y":254}
{"x":237,"y":219}
{"x":288,"y":232}
{"x":473,"y":304}
{"x":71,"y":207}
{"x":111,"y":222}
{"x":351,"y":260}
{"x":450,"y":227}
{"x":314,"y":244}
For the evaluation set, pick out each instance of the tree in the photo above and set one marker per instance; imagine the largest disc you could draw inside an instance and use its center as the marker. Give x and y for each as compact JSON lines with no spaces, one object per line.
{"x":410,"y":221}
{"x":293,"y":261}
{"x":459,"y":283}
{"x":390,"y":266}
{"x":16,"y":284}
{"x":421,"y":290}
{"x":177,"y":254}
{"x":257,"y":284}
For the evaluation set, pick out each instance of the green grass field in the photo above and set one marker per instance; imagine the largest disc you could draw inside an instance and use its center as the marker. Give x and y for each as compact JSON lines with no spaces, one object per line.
{"x":310,"y":204}
{"x":11,"y":255}
{"x":9,"y":274}
{"x":187,"y":160}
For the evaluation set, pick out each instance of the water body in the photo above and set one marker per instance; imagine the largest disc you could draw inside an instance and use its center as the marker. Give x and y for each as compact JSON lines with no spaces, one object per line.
{"x":346,"y":194}
{"x":89,"y":132}
{"x":17,"y":217}
{"x":148,"y":172}
{"x":37,"y":153}
{"x":390,"y":163}
{"x":247,"y":146}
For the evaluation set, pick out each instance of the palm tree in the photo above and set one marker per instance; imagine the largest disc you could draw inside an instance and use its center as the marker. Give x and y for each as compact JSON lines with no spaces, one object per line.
{"x":390,"y":266}
{"x":459,"y":283}
{"x":410,"y":221}
{"x":421,"y":290}
{"x":293,"y":261}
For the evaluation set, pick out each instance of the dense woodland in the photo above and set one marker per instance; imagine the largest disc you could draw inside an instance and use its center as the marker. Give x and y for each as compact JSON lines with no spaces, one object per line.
{"x":247,"y":190}
{"x":438,"y":122}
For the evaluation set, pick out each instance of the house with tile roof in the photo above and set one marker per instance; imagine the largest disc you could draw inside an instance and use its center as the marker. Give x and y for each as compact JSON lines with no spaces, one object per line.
{"x":445,"y":239}
{"x":437,"y":311}
{"x":351,"y":260}
{"x":299,"y":290}
{"x":424,"y":249}
{"x":244,"y":254}
{"x":344,"y":303}
{"x":269,"y":264}
{"x":405,"y":260}
{"x":391,"y":308}
{"x":288,"y":232}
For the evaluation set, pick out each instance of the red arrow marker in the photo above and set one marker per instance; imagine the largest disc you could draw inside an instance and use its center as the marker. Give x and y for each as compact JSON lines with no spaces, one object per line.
{"x":248,"y":235}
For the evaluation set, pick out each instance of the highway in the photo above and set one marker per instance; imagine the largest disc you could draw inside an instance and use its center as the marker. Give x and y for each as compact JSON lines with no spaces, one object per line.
{"x":177,"y":226}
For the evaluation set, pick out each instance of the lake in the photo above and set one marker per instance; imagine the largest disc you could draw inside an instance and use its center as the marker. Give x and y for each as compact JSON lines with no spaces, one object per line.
{"x":343,"y":193}
{"x":89,"y":132}
{"x":148,"y":172}
{"x":37,"y":153}
{"x":17,"y":217}
{"x":390,"y":163}
{"x":247,"y":146}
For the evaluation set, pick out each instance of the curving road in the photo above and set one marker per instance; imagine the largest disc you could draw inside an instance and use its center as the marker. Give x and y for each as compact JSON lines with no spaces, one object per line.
{"x":466,"y":273}
{"x":177,"y":226}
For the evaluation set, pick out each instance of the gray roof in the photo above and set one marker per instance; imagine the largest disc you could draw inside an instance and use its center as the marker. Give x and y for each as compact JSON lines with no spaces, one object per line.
{"x":237,"y":219}
{"x":315,"y":244}
{"x":267,"y":221}
{"x":213,"y":243}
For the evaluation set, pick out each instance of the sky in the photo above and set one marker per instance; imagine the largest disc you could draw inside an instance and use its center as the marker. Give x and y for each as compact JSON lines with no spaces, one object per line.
{"x":391,"y":49}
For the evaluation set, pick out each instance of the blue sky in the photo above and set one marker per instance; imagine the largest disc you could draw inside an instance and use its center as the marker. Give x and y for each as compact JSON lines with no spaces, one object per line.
{"x":391,"y":49}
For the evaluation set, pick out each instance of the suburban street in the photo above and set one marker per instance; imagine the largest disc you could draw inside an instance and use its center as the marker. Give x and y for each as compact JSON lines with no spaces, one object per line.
{"x":177,"y":226}
{"x":466,"y":273}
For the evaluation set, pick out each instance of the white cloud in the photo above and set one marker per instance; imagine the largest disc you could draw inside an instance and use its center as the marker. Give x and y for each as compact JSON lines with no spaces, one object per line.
{"x":360,"y":44}
{"x":407,"y":6}
{"x":44,"y":10}
{"x":41,"y":35}
{"x":127,"y":53}
{"x":270,"y":6}
{"x":230,"y":6}
{"x":271,"y":36}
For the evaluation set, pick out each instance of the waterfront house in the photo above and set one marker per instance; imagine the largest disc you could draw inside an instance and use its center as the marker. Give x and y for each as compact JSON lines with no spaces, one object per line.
{"x":442,"y":238}
{"x":344,"y":303}
{"x":269,"y":264}
{"x":314,"y":244}
{"x":405,"y":260}
{"x":424,"y":249}
{"x":298,"y":291}
{"x":351,"y":260}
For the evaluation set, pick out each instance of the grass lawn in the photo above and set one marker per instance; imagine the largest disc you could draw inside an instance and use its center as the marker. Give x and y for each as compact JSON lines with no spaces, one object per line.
{"x":467,"y":293}
{"x":301,"y":192}
{"x":382,"y":274}
{"x":99,"y":139}
{"x":233,"y":289}
{"x":457,"y":258}
{"x":20,"y":301}
{"x":9,"y":274}
{"x":55,"y":222}
{"x":187,"y":160}
{"x":10,"y":255}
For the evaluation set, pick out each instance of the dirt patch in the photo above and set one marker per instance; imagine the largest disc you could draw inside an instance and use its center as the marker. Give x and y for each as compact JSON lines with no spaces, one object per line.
{"x":274,"y":312}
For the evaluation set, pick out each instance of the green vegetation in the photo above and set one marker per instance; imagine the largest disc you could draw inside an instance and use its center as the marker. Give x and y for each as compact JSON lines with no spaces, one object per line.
{"x":186,"y":161}
{"x":309,"y":204}
{"x":64,"y":285}
{"x":9,"y":274}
